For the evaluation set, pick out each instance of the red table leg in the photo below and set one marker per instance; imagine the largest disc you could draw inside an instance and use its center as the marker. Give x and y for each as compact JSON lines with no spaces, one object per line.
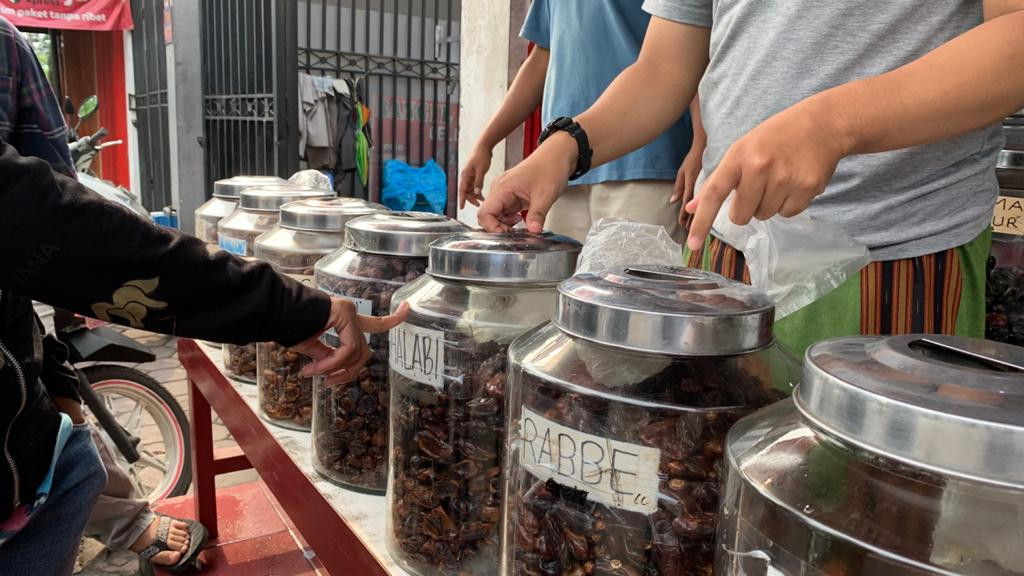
{"x":204,"y":472}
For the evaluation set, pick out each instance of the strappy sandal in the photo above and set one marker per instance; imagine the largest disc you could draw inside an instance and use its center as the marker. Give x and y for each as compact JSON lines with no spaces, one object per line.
{"x":197,"y":536}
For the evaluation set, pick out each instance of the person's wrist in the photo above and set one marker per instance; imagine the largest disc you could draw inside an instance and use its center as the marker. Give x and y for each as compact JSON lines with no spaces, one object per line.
{"x":564,"y":150}
{"x":830,"y":116}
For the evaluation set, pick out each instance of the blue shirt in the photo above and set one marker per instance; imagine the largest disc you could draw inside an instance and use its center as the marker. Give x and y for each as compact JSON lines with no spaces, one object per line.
{"x":591,"y":42}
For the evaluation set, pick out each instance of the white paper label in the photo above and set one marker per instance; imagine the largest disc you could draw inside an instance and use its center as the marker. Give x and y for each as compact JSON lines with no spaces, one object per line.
{"x":202,"y":229}
{"x":613,"y":473}
{"x":418,"y":354}
{"x":304,"y":279}
{"x":231,"y":245}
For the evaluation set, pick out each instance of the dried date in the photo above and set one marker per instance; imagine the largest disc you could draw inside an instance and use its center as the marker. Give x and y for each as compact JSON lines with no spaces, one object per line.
{"x":285,"y":397}
{"x":240,"y":361}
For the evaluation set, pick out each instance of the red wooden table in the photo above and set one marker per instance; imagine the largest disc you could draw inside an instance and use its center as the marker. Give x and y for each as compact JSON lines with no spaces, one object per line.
{"x":332,"y":538}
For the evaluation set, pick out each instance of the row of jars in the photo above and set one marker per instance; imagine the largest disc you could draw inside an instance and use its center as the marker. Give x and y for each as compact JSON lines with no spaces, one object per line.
{"x":528,"y":422}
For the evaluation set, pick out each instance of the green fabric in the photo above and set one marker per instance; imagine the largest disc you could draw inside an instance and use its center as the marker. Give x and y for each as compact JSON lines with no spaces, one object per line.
{"x":838,"y":312}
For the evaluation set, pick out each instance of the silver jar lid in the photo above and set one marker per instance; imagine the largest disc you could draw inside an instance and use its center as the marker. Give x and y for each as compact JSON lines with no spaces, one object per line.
{"x":326,"y":214}
{"x":508,"y":257}
{"x":665,"y":310}
{"x":271,"y":198}
{"x":951,"y":405}
{"x":399,"y":233}
{"x":231,"y":188}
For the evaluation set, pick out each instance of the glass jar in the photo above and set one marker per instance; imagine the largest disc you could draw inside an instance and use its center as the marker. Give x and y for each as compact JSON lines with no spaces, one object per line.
{"x":617,"y":415}
{"x":307,"y":231}
{"x":896,"y":456}
{"x":257,"y":212}
{"x":1004,"y":320}
{"x":225,"y":200}
{"x":447,"y":370}
{"x":383,"y":252}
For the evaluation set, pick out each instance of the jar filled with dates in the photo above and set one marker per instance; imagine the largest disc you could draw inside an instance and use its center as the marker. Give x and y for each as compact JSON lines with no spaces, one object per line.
{"x":257,"y":212}
{"x":896,"y":456}
{"x":225,"y":200}
{"x":1004,"y":291}
{"x":308,"y":230}
{"x":447,"y":370}
{"x":382,"y":253}
{"x":617,"y":412}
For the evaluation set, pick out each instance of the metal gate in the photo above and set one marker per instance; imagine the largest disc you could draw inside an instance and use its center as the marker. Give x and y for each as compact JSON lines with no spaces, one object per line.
{"x":405,"y":54}
{"x":149,"y":102}
{"x":249,"y":88}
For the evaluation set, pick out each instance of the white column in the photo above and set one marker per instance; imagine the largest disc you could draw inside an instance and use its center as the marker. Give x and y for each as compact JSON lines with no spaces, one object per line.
{"x":483,"y":79}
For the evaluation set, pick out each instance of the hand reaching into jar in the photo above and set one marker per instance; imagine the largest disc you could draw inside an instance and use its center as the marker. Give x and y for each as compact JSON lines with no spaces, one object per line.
{"x":342,"y":364}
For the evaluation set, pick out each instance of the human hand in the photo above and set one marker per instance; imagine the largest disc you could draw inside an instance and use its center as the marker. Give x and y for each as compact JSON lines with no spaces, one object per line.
{"x":686,"y":179}
{"x":779,"y":167}
{"x":533,"y":185}
{"x":342,"y":364}
{"x":471,"y":181}
{"x":71,"y":407}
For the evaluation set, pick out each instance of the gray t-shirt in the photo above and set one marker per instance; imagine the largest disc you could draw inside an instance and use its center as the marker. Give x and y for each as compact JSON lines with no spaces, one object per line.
{"x":767,"y":55}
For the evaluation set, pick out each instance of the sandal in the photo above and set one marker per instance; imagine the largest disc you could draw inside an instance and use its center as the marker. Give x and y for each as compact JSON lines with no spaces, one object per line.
{"x":197,"y":536}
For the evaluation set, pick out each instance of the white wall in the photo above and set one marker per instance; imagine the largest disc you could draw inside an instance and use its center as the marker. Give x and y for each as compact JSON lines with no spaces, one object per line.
{"x":483,"y":80}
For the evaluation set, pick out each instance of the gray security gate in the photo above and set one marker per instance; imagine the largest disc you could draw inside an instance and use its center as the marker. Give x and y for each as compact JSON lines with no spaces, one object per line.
{"x":404,"y":53}
{"x":249,"y":88}
{"x":149,"y":102}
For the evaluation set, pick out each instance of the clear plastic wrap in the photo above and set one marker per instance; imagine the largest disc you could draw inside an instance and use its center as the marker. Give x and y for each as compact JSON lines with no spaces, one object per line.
{"x":312,"y":179}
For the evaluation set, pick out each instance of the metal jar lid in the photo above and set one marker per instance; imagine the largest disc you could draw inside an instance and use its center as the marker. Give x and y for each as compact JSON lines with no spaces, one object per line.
{"x":665,"y":310}
{"x":951,"y":405}
{"x":271,"y":198}
{"x":507,"y":257}
{"x":399,"y":233}
{"x":232,"y":187}
{"x":326,"y":214}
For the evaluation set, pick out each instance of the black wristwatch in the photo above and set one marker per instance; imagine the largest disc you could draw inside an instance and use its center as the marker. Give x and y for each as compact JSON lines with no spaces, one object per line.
{"x":578,"y":134}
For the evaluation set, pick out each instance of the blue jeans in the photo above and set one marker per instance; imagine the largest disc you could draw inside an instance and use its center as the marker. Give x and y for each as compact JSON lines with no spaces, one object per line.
{"x":48,"y":544}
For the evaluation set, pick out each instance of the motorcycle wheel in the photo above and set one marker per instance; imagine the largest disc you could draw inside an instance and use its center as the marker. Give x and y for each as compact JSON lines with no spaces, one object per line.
{"x":147,"y":410}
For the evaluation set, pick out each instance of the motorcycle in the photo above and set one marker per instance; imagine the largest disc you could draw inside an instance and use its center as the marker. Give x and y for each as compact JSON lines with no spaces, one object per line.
{"x":122,"y":401}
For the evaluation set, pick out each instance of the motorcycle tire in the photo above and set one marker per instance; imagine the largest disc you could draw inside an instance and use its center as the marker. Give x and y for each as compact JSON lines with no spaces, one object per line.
{"x":173,"y":424}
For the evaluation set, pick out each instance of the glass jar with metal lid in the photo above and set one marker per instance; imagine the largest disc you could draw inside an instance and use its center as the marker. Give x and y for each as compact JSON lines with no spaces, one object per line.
{"x":308,"y":231}
{"x":896,"y":456}
{"x":1004,"y":320}
{"x":447,"y":376}
{"x":617,"y":415}
{"x":258,"y":211}
{"x":382,"y":253}
{"x":225,"y":200}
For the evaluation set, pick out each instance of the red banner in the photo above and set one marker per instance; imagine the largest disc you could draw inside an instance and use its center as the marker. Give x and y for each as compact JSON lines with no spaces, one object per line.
{"x":103,"y":15}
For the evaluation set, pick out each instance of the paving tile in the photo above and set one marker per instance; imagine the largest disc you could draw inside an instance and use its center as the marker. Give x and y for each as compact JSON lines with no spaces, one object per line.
{"x":168,"y":374}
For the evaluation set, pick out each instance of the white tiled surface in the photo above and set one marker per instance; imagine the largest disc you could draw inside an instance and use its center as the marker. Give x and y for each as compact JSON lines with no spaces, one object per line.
{"x":364,"y":513}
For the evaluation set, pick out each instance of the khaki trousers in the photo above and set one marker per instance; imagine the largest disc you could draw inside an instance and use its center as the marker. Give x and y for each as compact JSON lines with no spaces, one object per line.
{"x":580,"y":207}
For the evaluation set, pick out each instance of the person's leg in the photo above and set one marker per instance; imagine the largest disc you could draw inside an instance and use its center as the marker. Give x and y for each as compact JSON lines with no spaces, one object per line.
{"x":118,"y":518}
{"x":48,"y":544}
{"x":570,"y":216}
{"x":639,"y":200}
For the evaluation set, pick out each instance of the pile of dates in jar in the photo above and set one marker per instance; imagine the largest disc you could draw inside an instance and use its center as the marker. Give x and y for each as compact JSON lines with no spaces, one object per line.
{"x":1004,"y":303}
{"x":351,"y":433}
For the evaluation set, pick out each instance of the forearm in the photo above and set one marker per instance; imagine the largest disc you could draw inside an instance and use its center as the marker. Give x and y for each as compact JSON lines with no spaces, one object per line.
{"x":525,"y":94}
{"x":700,"y":137}
{"x":971,"y":81}
{"x":64,"y":245}
{"x":646,"y":98}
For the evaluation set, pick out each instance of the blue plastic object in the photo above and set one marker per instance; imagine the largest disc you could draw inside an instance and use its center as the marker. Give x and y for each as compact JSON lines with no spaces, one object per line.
{"x":407,"y":188}
{"x":164,"y":219}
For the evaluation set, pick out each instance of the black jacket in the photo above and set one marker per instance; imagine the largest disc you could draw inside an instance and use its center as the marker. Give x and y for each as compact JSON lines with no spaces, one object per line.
{"x":66,"y":246}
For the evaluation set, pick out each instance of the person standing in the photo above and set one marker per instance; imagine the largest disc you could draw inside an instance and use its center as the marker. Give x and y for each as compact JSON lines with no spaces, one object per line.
{"x":580,"y":47}
{"x":880,"y":122}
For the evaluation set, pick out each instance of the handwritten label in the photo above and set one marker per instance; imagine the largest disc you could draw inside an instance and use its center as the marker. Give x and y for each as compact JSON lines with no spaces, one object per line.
{"x":202,"y":229}
{"x":418,"y":354}
{"x":231,"y":245}
{"x":304,"y":279}
{"x":613,"y":473}
{"x":1008,"y":217}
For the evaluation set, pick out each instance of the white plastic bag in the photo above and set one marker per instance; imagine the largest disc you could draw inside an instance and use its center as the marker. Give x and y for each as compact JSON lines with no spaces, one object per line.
{"x":312,"y":179}
{"x":795,"y":261}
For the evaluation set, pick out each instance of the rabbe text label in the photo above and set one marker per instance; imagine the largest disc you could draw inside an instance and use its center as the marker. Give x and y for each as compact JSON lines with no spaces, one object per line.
{"x":613,"y":473}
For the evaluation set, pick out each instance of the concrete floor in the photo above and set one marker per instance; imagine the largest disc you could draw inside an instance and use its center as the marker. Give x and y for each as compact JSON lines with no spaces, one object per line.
{"x":94,"y":559}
